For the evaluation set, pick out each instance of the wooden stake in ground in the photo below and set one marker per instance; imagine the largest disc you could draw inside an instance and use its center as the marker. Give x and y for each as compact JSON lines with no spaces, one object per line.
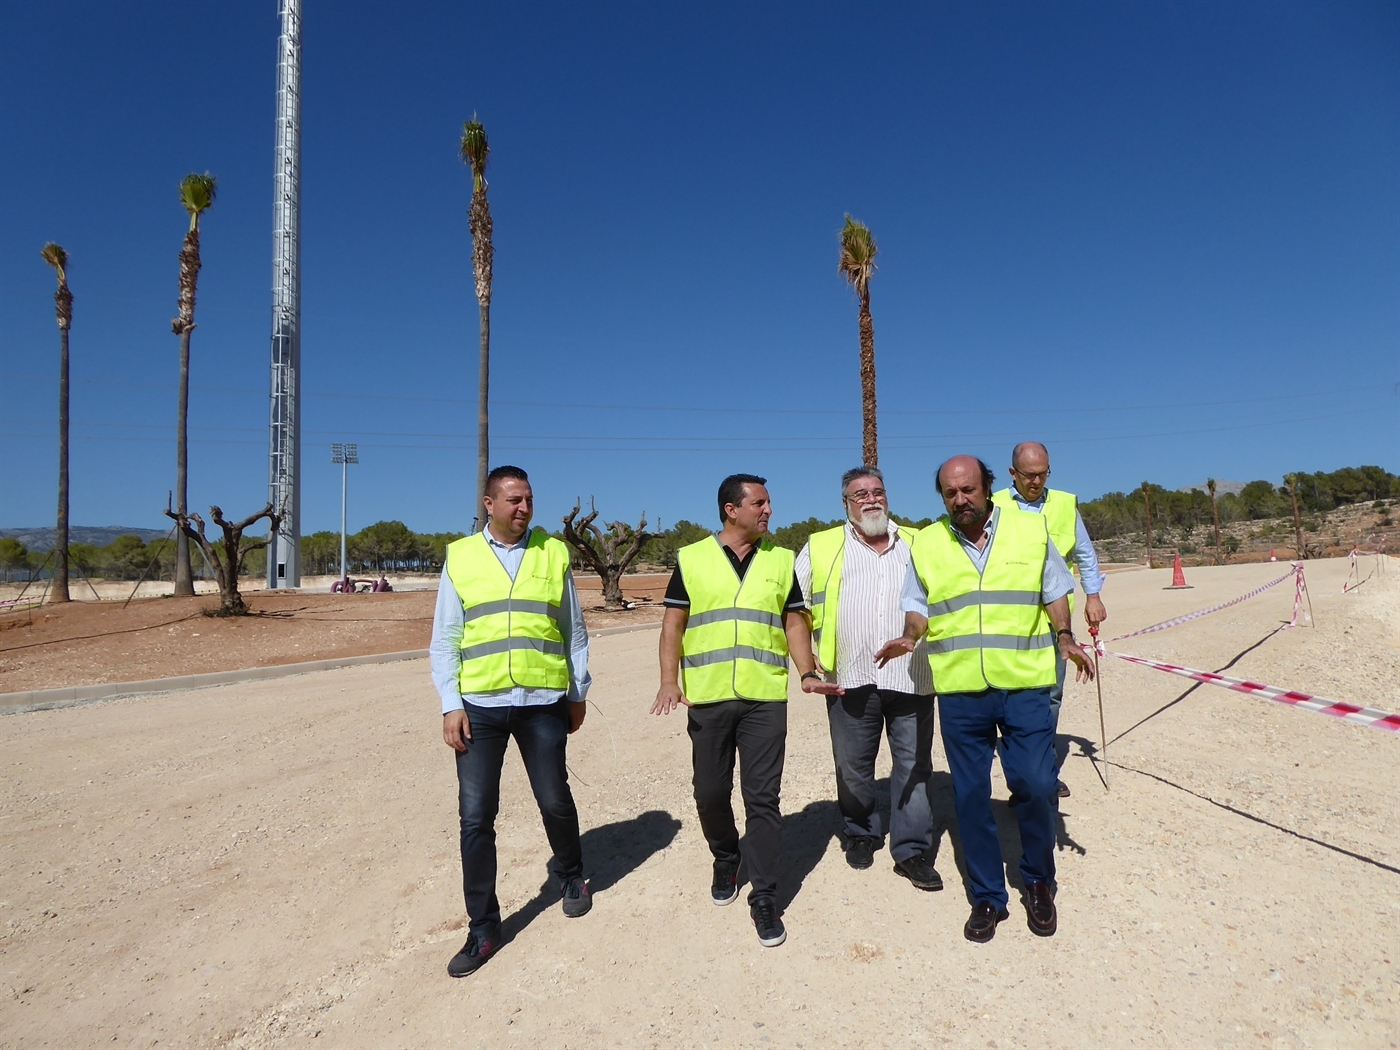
{"x":1147,"y":513}
{"x":1098,"y":684}
{"x":1215,"y":516}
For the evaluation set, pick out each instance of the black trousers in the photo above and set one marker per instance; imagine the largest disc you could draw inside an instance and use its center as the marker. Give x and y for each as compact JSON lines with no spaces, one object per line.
{"x":542,"y":734}
{"x":755,"y":731}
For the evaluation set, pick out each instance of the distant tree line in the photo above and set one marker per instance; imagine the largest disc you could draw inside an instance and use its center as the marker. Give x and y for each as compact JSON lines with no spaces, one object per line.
{"x":385,"y":546}
{"x":125,"y":558}
{"x":1119,"y":513}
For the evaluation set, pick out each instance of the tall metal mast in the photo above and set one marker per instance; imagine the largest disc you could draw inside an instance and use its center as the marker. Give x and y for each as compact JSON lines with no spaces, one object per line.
{"x":284,"y":450}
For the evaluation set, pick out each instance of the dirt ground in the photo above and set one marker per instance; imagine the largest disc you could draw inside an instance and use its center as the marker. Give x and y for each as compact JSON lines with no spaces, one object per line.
{"x":89,"y":641}
{"x":275,"y":864}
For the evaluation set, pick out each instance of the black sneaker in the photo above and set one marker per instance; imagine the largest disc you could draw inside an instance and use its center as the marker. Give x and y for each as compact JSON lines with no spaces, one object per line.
{"x":1061,"y":789}
{"x":725,"y":888}
{"x":920,"y":872}
{"x":577,"y":899}
{"x":860,"y":853}
{"x":770,"y":928}
{"x":473,"y":955}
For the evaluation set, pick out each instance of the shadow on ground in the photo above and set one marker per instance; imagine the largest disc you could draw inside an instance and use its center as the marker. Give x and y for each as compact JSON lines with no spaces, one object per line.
{"x":610,"y":853}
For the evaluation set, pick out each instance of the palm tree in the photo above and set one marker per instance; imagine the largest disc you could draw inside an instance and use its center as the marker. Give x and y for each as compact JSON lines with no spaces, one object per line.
{"x":857,"y":265}
{"x":474,"y":152}
{"x":197,"y":195}
{"x":1215,"y":516}
{"x":63,"y":308}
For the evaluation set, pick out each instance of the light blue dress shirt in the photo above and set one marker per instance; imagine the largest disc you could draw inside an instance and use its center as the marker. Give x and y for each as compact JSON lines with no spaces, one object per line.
{"x":1055,"y":578}
{"x":445,"y":650}
{"x":1084,"y":554}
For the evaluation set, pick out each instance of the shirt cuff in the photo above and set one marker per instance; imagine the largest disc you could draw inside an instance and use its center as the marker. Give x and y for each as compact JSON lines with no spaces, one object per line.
{"x":452,"y":702}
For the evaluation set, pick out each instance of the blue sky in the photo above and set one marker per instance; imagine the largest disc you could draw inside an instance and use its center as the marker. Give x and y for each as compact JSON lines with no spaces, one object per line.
{"x":1160,"y":238}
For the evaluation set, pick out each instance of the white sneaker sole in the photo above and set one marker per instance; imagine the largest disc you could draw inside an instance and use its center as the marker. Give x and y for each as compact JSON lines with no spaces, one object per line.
{"x":727,"y":900}
{"x":773,"y":942}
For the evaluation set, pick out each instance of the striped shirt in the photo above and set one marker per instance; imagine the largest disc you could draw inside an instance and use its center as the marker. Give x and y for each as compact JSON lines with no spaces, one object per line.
{"x":868,"y":615}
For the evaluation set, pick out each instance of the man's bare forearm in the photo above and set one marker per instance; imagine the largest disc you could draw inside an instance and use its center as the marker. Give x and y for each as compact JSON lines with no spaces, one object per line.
{"x":672,"y":627}
{"x":799,"y":639}
{"x":915,"y":626}
{"x":1058,"y":611}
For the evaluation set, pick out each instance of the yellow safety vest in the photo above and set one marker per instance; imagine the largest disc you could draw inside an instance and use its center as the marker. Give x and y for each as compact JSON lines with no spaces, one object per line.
{"x":510,"y":634}
{"x":988,"y":629}
{"x":827,"y":550}
{"x":1061,"y":513}
{"x":734,"y":646}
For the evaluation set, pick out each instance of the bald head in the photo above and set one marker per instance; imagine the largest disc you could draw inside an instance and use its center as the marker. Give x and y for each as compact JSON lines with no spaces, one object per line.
{"x":1030,"y":469}
{"x":1038,"y":453}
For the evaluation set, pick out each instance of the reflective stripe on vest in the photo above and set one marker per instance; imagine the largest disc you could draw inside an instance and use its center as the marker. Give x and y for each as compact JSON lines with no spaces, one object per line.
{"x":827,"y":551}
{"x":987,"y":629}
{"x":1061,"y":513}
{"x":510,"y":629}
{"x":734,"y":646}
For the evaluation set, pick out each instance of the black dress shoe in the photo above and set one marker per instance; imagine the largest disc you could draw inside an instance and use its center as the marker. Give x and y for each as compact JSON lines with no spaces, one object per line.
{"x":981,"y":925}
{"x":860,"y":853}
{"x":920,"y":872}
{"x":1040,"y":909}
{"x":1061,"y":789}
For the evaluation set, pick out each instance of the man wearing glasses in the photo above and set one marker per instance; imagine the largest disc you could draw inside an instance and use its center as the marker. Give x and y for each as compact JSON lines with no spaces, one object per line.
{"x":852,"y":577}
{"x":1030,"y":471}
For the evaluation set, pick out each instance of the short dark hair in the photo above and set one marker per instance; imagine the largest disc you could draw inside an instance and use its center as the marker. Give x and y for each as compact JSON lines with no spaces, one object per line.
{"x":731,"y":490}
{"x":500,"y":474}
{"x":987,"y":478}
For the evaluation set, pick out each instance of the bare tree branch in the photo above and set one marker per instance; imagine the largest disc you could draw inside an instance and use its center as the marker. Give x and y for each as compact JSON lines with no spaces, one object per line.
{"x":600,"y":549}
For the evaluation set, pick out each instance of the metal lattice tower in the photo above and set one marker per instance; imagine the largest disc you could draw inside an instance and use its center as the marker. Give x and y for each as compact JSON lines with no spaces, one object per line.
{"x":284,"y":450}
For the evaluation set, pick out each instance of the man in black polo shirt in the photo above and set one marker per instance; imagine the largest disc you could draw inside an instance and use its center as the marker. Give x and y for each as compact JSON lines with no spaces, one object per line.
{"x":735,"y":610}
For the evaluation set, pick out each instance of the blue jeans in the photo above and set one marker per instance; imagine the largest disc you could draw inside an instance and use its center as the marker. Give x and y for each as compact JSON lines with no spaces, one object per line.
{"x":970,"y":723}
{"x":541,"y":734}
{"x":857,"y":720}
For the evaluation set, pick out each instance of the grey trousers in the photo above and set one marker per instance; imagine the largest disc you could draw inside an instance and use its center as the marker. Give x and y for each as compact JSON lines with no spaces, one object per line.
{"x":857,"y":720}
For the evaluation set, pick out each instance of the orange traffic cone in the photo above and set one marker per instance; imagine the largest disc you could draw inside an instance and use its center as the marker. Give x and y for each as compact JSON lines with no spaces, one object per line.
{"x":1178,"y":577}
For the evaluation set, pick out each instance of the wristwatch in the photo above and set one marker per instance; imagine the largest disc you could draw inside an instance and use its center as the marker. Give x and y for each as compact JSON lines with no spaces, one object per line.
{"x":810,"y":674}
{"x":1066,"y":630}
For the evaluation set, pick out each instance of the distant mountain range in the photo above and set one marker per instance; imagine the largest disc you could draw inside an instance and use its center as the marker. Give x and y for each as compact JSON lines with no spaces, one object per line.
{"x":1222,"y":488}
{"x":41,"y":539}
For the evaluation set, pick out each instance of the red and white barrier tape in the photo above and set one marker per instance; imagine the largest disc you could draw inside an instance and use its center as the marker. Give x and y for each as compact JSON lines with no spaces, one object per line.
{"x":1296,"y":572}
{"x":1355,"y":572}
{"x":1365,"y":716}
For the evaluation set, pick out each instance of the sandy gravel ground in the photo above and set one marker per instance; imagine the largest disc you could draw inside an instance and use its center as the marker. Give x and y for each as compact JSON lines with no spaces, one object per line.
{"x":275,"y":865}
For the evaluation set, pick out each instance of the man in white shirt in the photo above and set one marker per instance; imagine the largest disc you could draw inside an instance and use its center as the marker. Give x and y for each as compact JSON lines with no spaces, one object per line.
{"x":852,"y":577}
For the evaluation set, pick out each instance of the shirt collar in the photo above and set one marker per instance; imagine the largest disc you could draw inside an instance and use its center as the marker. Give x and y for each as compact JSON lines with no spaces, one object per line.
{"x":990,"y":529}
{"x":491,"y":539}
{"x":1016,"y":495}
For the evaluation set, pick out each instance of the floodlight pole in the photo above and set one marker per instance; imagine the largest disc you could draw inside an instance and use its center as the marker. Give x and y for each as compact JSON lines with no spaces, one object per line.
{"x":345,"y":455}
{"x":284,"y":442}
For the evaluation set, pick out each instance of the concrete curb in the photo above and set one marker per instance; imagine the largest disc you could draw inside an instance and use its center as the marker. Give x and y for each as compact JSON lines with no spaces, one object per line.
{"x":76,"y":695}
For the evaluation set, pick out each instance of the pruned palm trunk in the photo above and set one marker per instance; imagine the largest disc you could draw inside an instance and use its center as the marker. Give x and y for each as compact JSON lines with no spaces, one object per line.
{"x":63,"y":311}
{"x":475,"y":151}
{"x":184,"y":324}
{"x":1215,"y":517}
{"x":482,"y":253}
{"x":870,"y":445}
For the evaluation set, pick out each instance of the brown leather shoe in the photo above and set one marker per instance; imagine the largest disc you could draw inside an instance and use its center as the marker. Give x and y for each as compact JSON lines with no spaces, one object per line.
{"x":981,"y":925}
{"x":1040,"y":909}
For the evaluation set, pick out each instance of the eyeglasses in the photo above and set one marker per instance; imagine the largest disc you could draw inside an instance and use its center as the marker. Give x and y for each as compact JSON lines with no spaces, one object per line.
{"x":866,"y":495}
{"x":1040,"y":475}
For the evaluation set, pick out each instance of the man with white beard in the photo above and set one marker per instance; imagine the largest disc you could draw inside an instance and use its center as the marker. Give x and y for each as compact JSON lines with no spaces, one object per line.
{"x":852,"y":577}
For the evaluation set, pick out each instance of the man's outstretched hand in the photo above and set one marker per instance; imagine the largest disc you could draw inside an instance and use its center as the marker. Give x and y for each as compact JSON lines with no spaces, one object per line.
{"x":893,"y":650}
{"x":822,"y":686}
{"x":668,"y":698}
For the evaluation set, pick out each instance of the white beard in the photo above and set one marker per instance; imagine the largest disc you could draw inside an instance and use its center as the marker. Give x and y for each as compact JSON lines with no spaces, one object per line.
{"x":874,"y":524}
